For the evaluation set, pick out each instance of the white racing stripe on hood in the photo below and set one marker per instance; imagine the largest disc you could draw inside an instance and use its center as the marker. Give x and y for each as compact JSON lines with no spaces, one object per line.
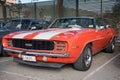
{"x":48,"y":35}
{"x":22,"y":35}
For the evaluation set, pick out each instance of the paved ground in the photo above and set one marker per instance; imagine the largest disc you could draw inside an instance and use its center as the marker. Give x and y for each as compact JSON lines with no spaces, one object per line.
{"x":104,"y":67}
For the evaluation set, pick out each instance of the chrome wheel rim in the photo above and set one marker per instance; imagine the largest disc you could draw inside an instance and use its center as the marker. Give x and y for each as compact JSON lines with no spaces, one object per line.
{"x":113,"y":46}
{"x":88,"y":57}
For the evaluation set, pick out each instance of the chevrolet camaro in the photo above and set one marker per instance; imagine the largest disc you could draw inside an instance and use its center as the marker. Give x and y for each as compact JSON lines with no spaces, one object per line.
{"x":66,"y":41}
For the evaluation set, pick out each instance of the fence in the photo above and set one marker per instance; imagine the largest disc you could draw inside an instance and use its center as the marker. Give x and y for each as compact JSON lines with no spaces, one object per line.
{"x":42,"y":10}
{"x":47,"y":10}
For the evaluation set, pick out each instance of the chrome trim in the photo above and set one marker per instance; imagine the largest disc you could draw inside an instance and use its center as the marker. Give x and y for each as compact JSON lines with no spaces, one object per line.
{"x":38,"y":53}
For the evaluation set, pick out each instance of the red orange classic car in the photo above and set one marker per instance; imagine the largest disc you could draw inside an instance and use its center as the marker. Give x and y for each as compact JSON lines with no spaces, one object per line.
{"x":66,"y":41}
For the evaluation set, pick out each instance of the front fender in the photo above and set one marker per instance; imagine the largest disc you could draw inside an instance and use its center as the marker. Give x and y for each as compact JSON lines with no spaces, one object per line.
{"x":77,"y":45}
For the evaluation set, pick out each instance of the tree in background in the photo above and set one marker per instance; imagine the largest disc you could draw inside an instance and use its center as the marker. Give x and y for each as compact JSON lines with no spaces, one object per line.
{"x":116,"y":17}
{"x":3,"y":2}
{"x":116,"y":12}
{"x":59,"y":9}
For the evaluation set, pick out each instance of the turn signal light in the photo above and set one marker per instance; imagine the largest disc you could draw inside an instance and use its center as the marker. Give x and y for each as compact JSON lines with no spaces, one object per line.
{"x":60,"y":47}
{"x":9,"y":42}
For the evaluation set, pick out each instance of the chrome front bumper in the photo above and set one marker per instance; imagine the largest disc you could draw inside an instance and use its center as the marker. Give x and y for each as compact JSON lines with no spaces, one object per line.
{"x":38,"y":53}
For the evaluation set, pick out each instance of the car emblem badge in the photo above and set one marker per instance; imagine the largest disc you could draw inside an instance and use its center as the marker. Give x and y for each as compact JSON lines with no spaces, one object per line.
{"x":28,"y":44}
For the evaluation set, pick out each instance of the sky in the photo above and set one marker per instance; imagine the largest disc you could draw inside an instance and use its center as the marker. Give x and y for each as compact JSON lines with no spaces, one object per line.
{"x":28,"y":1}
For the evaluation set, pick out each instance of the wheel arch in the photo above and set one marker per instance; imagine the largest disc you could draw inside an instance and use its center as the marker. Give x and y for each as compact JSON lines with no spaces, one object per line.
{"x":88,"y":43}
{"x":81,"y":60}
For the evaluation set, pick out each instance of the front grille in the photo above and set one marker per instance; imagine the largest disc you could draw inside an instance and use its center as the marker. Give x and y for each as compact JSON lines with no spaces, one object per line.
{"x":33,"y":44}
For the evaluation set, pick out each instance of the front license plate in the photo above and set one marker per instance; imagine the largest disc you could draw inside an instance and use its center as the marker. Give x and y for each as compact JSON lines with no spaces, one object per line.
{"x":29,"y":58}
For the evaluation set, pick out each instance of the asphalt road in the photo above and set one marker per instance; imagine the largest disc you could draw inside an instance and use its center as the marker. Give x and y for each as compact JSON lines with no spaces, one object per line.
{"x":105,"y":66}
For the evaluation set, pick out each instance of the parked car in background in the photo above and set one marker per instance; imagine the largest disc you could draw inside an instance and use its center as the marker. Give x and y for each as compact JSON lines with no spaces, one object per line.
{"x":2,"y":23}
{"x":66,"y":41}
{"x":20,"y":24}
{"x":26,"y":24}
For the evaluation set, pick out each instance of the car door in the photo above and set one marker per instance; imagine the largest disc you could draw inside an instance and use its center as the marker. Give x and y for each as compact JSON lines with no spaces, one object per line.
{"x":110,"y":32}
{"x":101,"y":36}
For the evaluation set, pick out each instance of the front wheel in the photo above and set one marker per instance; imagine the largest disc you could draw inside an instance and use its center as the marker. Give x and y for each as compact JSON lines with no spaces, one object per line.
{"x":84,"y":61}
{"x":3,"y":53}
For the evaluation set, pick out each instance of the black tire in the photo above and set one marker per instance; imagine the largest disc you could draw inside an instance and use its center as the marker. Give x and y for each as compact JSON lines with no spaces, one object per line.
{"x":3,"y":53}
{"x":0,"y":50}
{"x":84,"y":61}
{"x":111,"y":47}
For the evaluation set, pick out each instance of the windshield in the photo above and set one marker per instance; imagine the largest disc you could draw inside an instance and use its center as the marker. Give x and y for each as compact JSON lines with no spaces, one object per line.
{"x":73,"y":22}
{"x":18,"y":24}
{"x":12,"y":24}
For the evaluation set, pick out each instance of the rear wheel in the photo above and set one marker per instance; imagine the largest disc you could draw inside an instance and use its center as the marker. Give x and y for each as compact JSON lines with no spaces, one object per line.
{"x":84,"y":61}
{"x":111,"y":47}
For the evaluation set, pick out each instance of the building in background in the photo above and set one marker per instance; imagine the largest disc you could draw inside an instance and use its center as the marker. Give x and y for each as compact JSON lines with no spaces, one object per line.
{"x":11,"y":1}
{"x":7,"y":9}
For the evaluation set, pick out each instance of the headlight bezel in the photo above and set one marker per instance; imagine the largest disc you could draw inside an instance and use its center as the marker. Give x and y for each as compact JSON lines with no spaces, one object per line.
{"x":60,"y":47}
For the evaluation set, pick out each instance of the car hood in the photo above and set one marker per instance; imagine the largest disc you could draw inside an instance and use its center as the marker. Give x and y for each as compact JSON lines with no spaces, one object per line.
{"x":49,"y":34}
